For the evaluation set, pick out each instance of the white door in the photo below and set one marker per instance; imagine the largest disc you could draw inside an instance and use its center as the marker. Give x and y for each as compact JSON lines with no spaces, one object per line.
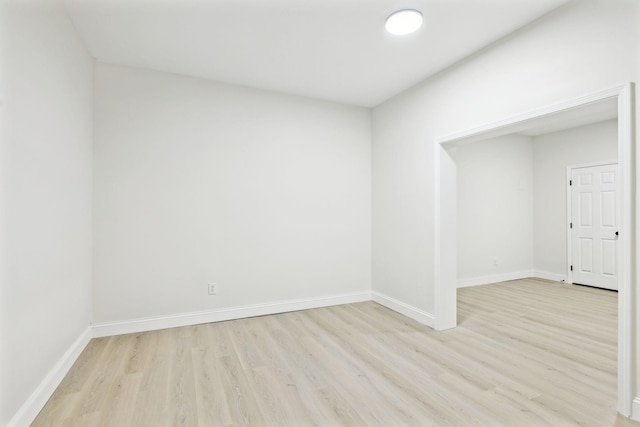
{"x":594,"y":226}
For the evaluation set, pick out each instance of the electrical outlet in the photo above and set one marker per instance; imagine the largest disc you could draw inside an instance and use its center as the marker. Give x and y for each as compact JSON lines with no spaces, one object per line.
{"x":212,"y":288}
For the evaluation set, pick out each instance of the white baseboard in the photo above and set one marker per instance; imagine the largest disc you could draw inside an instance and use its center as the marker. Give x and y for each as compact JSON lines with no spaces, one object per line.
{"x":405,"y":309}
{"x":195,"y":318}
{"x":550,"y":276}
{"x":34,"y":404}
{"x":635,"y":409}
{"x":485,"y":280}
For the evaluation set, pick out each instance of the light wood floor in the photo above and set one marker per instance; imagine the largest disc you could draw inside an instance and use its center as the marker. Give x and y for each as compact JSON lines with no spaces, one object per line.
{"x":526,"y":353}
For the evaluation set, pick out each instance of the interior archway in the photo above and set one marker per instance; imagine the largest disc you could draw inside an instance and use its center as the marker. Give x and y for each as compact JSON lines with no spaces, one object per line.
{"x":582,"y":110}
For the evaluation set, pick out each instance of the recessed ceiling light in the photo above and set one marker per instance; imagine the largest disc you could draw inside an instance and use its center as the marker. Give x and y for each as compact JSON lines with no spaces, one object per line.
{"x":403,"y":22}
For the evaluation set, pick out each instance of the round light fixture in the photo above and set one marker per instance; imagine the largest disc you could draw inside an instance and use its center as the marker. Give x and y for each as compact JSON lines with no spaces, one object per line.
{"x":403,"y":22}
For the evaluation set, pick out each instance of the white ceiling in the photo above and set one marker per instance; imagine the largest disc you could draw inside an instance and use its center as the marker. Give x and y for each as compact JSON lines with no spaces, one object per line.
{"x":336,"y":50}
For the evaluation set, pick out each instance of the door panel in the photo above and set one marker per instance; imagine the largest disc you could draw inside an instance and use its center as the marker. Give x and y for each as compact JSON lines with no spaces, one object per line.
{"x":594,"y":216}
{"x":608,"y":207}
{"x":586,"y":210}
{"x":608,"y":257}
{"x":586,"y":255}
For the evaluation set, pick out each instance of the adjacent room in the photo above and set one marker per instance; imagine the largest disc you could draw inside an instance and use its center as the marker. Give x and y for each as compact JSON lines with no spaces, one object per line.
{"x":267,"y":213}
{"x":514,"y":203}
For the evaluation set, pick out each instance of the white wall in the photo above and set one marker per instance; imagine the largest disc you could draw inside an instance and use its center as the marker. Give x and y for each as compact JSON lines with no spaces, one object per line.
{"x":45,"y":196}
{"x":583,"y":47}
{"x":552,"y":153}
{"x":267,"y":195}
{"x":636,"y":306}
{"x":495,"y":209}
{"x":580,"y":48}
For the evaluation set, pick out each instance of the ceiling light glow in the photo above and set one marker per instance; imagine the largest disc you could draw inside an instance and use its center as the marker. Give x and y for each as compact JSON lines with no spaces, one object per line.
{"x":403,"y":22}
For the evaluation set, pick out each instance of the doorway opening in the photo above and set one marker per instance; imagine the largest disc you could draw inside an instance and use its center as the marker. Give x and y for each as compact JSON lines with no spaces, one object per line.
{"x":445,"y":283}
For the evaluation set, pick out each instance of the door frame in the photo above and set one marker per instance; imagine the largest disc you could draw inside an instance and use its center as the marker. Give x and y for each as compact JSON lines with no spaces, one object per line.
{"x":569,"y":215}
{"x":445,"y":250}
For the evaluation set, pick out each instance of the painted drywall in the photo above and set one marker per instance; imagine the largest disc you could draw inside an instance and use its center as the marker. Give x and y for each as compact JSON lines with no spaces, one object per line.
{"x":580,"y":48}
{"x":636,"y":306}
{"x":552,"y":153}
{"x":495,"y":207}
{"x":46,"y":108}
{"x":267,"y":195}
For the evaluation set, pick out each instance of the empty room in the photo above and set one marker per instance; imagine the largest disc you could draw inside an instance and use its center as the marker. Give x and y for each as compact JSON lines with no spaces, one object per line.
{"x":319,"y":213}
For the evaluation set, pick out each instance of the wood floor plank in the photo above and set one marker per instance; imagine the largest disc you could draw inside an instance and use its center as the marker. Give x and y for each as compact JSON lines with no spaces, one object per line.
{"x":243,"y":407}
{"x":150,"y":408}
{"x":526,"y":353}
{"x":181,"y":389}
{"x":210,"y":398}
